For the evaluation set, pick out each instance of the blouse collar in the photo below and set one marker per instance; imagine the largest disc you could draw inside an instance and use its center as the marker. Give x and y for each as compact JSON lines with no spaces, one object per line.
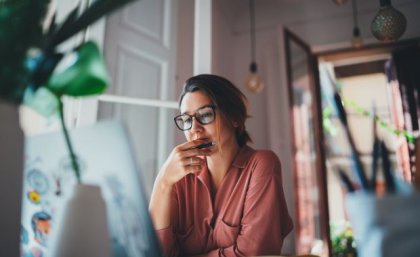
{"x":240,"y":161}
{"x":242,"y":158}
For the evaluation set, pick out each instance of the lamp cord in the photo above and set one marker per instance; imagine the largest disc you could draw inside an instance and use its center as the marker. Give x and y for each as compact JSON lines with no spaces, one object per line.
{"x":252,"y":24}
{"x":384,"y":2}
{"x":354,"y":5}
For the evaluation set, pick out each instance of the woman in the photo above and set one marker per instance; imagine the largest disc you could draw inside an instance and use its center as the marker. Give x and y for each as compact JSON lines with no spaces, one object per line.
{"x":225,"y":199}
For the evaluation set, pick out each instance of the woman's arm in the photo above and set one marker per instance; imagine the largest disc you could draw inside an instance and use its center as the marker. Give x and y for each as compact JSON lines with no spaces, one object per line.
{"x":183,"y":160}
{"x":160,"y":210}
{"x":160,"y":204}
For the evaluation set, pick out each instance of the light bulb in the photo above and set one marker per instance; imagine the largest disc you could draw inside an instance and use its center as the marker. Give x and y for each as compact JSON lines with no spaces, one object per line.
{"x":254,"y":82}
{"x":388,"y":24}
{"x":356,"y":40}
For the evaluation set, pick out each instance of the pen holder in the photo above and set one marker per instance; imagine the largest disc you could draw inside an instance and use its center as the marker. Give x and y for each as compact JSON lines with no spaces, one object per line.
{"x":387,"y":226}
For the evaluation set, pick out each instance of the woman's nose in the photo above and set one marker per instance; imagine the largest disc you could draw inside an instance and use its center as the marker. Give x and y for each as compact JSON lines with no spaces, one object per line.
{"x":196,"y":126}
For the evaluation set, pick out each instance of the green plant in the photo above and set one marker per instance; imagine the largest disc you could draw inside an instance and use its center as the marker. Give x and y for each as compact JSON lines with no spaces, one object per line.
{"x":29,"y":56}
{"x":342,"y":241}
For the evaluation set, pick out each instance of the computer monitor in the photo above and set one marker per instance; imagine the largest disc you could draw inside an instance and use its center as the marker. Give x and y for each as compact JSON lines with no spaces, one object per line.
{"x":106,"y":159}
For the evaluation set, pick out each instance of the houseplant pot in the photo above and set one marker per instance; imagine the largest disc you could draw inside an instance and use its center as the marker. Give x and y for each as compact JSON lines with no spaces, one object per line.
{"x":11,"y":172}
{"x":83,"y":229}
{"x":385,"y":226}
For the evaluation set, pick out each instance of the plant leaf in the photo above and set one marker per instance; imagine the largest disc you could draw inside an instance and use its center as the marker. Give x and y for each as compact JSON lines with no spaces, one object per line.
{"x":94,"y":12}
{"x":71,"y":18}
{"x":53,"y":26}
{"x":83,"y":74}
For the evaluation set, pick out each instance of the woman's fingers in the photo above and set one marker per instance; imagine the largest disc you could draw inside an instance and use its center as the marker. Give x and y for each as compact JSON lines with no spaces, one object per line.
{"x":196,"y":152}
{"x":193,"y":161}
{"x":193,"y":164}
{"x":181,"y":152}
{"x":184,"y":159}
{"x":192,"y":144}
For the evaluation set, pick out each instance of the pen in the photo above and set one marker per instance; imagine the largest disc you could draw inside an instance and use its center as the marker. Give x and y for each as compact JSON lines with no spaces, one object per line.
{"x":202,"y":146}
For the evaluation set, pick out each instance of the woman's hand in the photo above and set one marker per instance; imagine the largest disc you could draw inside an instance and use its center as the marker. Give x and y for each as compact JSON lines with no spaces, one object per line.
{"x":184,"y":159}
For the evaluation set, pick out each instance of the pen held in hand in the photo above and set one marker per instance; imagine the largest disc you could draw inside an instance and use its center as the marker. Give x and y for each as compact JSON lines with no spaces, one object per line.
{"x":204,"y":145}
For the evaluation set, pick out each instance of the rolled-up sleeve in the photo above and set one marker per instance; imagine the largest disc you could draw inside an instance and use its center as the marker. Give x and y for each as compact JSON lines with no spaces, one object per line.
{"x":167,"y":236}
{"x":168,"y":242}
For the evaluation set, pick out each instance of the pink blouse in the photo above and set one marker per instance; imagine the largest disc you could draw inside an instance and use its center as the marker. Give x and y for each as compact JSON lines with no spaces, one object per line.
{"x":247,"y":215}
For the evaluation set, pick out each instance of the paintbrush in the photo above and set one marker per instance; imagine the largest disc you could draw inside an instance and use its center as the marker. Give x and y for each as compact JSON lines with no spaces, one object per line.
{"x":417,"y":164}
{"x":358,"y":167}
{"x":375,"y":150}
{"x":346,"y":180}
{"x":387,"y":169}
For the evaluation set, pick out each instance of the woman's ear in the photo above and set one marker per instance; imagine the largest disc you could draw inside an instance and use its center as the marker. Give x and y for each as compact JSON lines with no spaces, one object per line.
{"x":235,"y":124}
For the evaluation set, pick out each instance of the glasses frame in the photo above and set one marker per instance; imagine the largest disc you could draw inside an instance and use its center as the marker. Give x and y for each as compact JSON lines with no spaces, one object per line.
{"x":212,"y":106}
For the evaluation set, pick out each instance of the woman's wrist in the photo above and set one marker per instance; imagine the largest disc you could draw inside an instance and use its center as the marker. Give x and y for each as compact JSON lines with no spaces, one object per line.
{"x":163,"y":185}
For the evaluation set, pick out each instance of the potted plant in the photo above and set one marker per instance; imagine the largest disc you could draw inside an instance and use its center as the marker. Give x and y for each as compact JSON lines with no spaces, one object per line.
{"x":342,"y":241}
{"x":29,"y":57}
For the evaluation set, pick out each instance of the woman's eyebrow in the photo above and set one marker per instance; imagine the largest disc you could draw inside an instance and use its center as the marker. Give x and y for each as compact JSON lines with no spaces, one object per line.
{"x":186,"y":112}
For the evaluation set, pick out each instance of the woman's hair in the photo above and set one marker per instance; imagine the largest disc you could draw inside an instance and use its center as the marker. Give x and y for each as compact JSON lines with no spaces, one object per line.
{"x":230,"y":101}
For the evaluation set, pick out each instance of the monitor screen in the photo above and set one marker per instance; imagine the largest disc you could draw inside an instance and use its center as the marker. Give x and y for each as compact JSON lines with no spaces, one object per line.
{"x":105,"y":159}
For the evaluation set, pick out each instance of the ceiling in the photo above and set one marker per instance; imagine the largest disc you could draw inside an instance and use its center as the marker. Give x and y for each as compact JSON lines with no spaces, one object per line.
{"x":278,"y":11}
{"x":234,"y":7}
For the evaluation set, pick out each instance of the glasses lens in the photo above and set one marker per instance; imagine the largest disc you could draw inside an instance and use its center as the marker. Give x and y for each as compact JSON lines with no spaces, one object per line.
{"x":205,"y":115}
{"x":183,"y":122}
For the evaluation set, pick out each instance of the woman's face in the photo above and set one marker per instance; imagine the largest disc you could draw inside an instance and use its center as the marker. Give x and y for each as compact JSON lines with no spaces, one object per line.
{"x":224,"y":135}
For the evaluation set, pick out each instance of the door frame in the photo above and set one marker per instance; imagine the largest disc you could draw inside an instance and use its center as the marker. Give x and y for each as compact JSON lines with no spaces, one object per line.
{"x":314,"y":57}
{"x":317,"y":114}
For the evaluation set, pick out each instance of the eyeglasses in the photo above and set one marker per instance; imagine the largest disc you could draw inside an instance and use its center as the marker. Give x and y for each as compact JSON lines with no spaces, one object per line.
{"x":204,"y":115}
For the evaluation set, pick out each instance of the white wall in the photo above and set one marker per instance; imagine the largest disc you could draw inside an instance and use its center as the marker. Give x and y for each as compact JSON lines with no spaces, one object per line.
{"x":185,"y":51}
{"x":320,"y":22}
{"x":269,"y":124}
{"x":222,"y":43}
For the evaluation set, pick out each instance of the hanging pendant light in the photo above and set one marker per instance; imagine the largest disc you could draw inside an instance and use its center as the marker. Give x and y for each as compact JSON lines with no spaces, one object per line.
{"x":340,"y":2}
{"x":389,"y":24}
{"x":254,"y":82}
{"x":356,"y":40}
